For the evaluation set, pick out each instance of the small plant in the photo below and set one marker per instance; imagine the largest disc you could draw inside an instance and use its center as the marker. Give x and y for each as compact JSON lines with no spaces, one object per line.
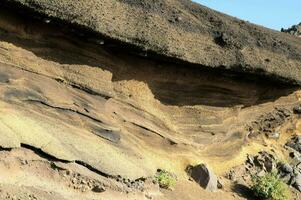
{"x":165,"y":179}
{"x":270,"y":187}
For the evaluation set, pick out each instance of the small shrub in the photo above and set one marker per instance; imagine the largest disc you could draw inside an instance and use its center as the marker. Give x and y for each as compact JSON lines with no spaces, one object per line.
{"x":270,"y":187}
{"x":165,"y":179}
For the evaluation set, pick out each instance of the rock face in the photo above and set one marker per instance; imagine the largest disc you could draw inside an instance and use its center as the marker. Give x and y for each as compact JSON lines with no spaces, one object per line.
{"x":294,"y":30}
{"x":178,"y":29}
{"x":295,"y":143}
{"x":204,"y":177}
{"x":77,"y":99}
{"x":297,"y":182}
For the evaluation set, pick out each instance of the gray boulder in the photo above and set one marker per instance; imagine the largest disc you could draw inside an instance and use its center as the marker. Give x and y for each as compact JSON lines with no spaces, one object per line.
{"x":297,"y":182}
{"x":204,"y":177}
{"x":295,"y":143}
{"x":286,"y":168}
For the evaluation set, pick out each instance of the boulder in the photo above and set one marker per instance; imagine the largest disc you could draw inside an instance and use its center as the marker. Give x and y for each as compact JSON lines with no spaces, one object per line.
{"x":204,"y":177}
{"x":286,"y":168}
{"x":295,"y":143}
{"x":297,"y":109}
{"x":297,"y":182}
{"x":296,"y":156}
{"x":265,"y":161}
{"x":286,"y":178}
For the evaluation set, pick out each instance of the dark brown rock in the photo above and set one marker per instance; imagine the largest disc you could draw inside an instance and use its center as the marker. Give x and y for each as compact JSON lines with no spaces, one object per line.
{"x":297,"y":109}
{"x":294,"y":30}
{"x":98,"y":189}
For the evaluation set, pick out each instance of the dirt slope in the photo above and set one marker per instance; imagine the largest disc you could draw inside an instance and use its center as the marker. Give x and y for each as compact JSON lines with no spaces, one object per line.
{"x":178,"y":29}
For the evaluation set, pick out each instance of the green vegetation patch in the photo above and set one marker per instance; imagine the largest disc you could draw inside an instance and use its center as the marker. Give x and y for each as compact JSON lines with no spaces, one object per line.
{"x":270,"y":186}
{"x":165,"y":179}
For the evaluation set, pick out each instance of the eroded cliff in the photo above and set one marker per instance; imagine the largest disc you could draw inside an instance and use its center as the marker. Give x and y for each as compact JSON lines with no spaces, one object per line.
{"x":94,"y":106}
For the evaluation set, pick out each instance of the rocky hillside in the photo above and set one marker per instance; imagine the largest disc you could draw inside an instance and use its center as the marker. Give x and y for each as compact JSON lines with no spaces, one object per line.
{"x":180,"y":30}
{"x":294,"y":30}
{"x":103,"y":99}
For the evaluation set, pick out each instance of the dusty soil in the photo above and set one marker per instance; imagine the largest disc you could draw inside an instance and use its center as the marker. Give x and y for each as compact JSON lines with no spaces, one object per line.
{"x":83,"y":121}
{"x":38,"y":178}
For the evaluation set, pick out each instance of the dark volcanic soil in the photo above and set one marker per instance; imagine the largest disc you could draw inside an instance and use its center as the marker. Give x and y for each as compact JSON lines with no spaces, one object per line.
{"x":181,"y":30}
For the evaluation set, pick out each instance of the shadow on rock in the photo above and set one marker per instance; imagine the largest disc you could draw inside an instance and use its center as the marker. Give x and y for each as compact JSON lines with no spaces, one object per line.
{"x":172,"y":82}
{"x":243,"y":191}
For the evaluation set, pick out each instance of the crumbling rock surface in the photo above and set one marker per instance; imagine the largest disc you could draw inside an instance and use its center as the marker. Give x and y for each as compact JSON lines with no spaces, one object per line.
{"x":269,"y":124}
{"x":177,"y":29}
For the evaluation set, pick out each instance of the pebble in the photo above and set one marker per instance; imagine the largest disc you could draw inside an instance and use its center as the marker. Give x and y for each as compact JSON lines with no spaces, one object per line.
{"x":297,"y":109}
{"x":98,"y":189}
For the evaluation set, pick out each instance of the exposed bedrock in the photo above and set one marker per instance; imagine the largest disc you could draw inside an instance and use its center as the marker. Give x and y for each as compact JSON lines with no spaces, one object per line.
{"x":126,"y":115}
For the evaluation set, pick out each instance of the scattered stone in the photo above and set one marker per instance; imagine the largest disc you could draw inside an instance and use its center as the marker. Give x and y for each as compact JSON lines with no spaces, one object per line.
{"x":220,"y":184}
{"x":179,"y":19}
{"x":296,"y":156}
{"x":222,"y":39}
{"x":275,"y":134}
{"x":231,"y":175}
{"x":297,"y":182}
{"x":286,"y":173}
{"x":100,"y":41}
{"x":24,"y":162}
{"x":295,"y":143}
{"x":269,"y":124}
{"x":250,"y":160}
{"x":265,"y":161}
{"x":47,"y":21}
{"x":286,"y":178}
{"x":204,"y":177}
{"x":286,"y":168}
{"x":297,"y":109}
{"x":148,"y":196}
{"x":98,"y":189}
